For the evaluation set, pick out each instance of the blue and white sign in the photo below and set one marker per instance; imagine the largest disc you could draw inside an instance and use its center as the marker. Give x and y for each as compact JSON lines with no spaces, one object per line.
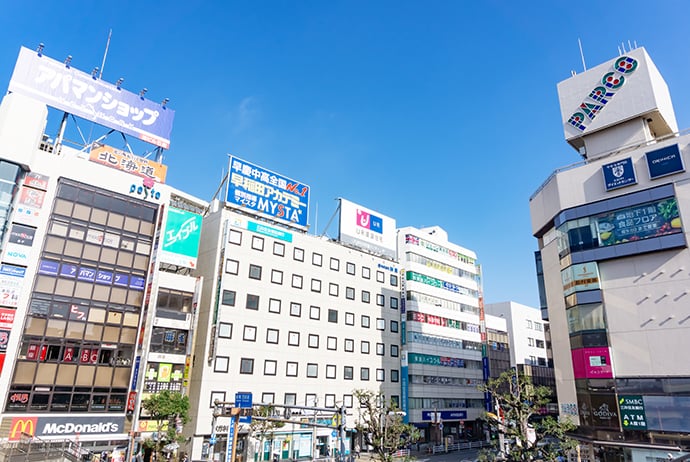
{"x":68,"y":89}
{"x":619,"y":174}
{"x":665,"y":161}
{"x":267,"y":193}
{"x":243,"y":400}
{"x":445,"y":415}
{"x":231,"y":440}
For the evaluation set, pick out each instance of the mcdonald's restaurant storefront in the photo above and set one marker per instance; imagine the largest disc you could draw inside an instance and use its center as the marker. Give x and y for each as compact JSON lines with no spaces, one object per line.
{"x":104,"y":430}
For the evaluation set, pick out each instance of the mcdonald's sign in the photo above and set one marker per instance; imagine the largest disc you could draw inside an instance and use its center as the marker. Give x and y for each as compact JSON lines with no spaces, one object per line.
{"x":22,"y":425}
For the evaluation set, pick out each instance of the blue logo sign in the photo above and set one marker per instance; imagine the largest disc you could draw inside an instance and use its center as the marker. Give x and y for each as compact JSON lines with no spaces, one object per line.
{"x":619,"y":174}
{"x":243,"y":400}
{"x":267,"y":193}
{"x":445,"y":415}
{"x":664,"y":161}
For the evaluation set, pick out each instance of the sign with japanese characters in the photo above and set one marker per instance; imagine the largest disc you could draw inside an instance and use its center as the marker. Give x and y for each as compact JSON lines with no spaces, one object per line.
{"x":641,"y":221}
{"x":65,"y":88}
{"x":181,"y":238}
{"x":367,"y":229}
{"x":619,"y":174}
{"x":579,"y":277}
{"x":268,"y":194}
{"x":126,"y":162}
{"x":11,"y":281}
{"x":632,"y":412}
{"x":664,"y":161}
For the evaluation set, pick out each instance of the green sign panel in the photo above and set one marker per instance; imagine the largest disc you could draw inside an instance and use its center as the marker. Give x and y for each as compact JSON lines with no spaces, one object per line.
{"x":181,"y":238}
{"x":632,"y":412}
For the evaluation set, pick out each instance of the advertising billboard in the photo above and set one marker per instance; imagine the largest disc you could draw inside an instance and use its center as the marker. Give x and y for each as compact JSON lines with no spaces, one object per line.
{"x":267,"y":194}
{"x":367,"y":229}
{"x":181,"y":238}
{"x":664,"y":161}
{"x":619,"y":174}
{"x":592,"y":363}
{"x":44,"y":426}
{"x":127,"y":162}
{"x":65,"y":88}
{"x":579,"y":277}
{"x":11,"y":282}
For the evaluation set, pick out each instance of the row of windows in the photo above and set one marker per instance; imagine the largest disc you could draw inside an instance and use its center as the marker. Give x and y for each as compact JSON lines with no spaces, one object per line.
{"x":539,"y":327}
{"x":257,"y":243}
{"x":249,"y":334}
{"x":297,"y":282}
{"x":290,"y":399}
{"x":445,"y":403}
{"x":535,"y":342}
{"x":61,"y":401}
{"x":270,"y":367}
{"x":229,"y":298}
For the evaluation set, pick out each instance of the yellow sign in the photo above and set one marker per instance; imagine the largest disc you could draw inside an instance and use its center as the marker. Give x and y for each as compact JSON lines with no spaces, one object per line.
{"x":126,"y":162}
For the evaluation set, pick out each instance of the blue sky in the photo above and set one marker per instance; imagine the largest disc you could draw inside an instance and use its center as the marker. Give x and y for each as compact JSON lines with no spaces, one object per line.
{"x":432,"y":112}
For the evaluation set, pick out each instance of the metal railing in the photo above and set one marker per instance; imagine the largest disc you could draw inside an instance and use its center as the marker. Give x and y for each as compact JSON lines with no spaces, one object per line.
{"x":443,"y":448}
{"x":29,"y":449}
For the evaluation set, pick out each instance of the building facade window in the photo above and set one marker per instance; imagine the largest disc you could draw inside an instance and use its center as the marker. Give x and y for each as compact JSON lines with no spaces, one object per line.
{"x":254,"y":272}
{"x":247,"y":366}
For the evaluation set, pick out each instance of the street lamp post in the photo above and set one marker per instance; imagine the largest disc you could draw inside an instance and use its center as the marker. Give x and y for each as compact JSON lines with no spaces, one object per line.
{"x":213,"y":439}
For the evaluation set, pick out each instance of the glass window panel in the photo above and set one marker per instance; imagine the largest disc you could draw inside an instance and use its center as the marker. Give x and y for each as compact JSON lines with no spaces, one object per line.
{"x":64,"y":287}
{"x":91,"y":252}
{"x":66,"y":374}
{"x":108,"y":256}
{"x":55,"y":328}
{"x":93,"y":332}
{"x":24,"y":372}
{"x":129,"y":336}
{"x":35,"y":326}
{"x":59,"y":229}
{"x":146,"y":229}
{"x":104,"y":376}
{"x":114,"y":317}
{"x":125,"y":259}
{"x":85,"y":375}
{"x":140,"y":262}
{"x":135,"y":297}
{"x":131,"y":224}
{"x":118,"y":295}
{"x":75,"y":330}
{"x":111,"y":334}
{"x":54,"y":244}
{"x":101,"y":293}
{"x":130,"y":319}
{"x":83,"y":290}
{"x":81,"y":212}
{"x":121,"y":377}
{"x":45,"y":374}
{"x":63,"y":207}
{"x":97,"y":315}
{"x":45,"y":284}
{"x":99,"y":216}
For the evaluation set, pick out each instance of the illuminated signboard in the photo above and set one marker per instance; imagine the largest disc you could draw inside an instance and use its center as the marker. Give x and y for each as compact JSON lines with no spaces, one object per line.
{"x":578,"y":277}
{"x":62,"y":426}
{"x":68,"y":89}
{"x":602,"y":93}
{"x":664,"y":161}
{"x":367,"y":229}
{"x":181,"y":238}
{"x":267,"y":193}
{"x":126,"y":162}
{"x":642,"y":221}
{"x":619,"y":174}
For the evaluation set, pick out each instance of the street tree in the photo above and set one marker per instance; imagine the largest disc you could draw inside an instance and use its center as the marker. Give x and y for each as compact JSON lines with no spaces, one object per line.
{"x":262,"y":428}
{"x":381,"y":425}
{"x":170,"y":410}
{"x":525,"y":437}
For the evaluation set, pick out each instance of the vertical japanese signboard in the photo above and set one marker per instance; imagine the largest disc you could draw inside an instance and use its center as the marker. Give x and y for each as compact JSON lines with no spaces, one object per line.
{"x":632,"y":412}
{"x":181,"y":238}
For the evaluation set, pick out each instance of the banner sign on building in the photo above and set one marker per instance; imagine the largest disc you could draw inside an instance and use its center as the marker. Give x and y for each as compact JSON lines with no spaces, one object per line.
{"x":128,"y":163}
{"x":70,"y":90}
{"x":181,"y":238}
{"x":367,"y":229}
{"x":444,"y":415}
{"x":260,"y":228}
{"x":579,"y":277}
{"x":632,"y":412}
{"x":62,"y":426}
{"x":11,"y":281}
{"x":267,"y":193}
{"x":642,"y":221}
{"x":619,"y":174}
{"x":664,"y":161}
{"x":592,"y":363}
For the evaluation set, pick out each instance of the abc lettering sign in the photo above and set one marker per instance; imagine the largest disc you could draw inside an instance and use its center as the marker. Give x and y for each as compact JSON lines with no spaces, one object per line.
{"x":367,"y":229}
{"x":62,"y":426}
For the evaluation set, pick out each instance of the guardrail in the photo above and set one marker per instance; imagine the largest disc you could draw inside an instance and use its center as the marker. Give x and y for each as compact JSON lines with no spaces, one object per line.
{"x":443,"y":448}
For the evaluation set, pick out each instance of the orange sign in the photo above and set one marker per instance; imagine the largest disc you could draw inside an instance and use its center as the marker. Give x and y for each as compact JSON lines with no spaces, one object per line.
{"x":22,"y":426}
{"x":126,"y":162}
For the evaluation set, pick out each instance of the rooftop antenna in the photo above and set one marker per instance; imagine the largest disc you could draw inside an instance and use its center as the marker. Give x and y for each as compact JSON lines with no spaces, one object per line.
{"x":105,"y":54}
{"x":635,"y":43}
{"x":582,"y":55}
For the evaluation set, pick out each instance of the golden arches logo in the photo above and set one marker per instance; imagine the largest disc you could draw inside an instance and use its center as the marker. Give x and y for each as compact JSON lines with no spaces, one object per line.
{"x":22,"y":425}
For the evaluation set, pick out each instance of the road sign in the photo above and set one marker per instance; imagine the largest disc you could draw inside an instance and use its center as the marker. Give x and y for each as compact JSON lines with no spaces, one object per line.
{"x":243,"y":400}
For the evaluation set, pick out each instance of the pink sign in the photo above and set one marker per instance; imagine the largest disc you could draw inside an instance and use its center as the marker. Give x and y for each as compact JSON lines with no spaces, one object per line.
{"x":592,"y":363}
